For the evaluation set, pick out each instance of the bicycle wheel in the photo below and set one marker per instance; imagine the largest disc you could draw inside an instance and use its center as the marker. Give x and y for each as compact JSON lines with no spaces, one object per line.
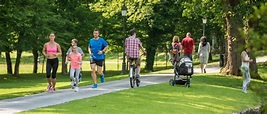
{"x":132,"y":79}
{"x":131,"y":82}
{"x":137,"y":82}
{"x":171,"y":82}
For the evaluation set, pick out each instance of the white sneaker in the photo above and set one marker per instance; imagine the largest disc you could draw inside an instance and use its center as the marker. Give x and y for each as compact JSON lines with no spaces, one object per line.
{"x":244,"y":90}
{"x":76,"y":89}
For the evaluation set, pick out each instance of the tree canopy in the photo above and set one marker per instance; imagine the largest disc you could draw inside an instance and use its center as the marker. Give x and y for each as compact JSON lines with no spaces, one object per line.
{"x":25,"y":25}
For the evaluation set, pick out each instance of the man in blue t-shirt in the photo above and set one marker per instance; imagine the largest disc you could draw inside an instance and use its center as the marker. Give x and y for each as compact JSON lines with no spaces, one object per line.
{"x":97,"y":46}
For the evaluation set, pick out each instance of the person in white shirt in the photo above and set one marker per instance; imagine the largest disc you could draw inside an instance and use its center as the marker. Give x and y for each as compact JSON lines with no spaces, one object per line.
{"x":203,"y":53}
{"x":245,"y":68}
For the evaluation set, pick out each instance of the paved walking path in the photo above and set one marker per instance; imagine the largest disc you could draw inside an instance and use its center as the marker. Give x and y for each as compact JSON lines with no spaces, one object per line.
{"x":19,"y":104}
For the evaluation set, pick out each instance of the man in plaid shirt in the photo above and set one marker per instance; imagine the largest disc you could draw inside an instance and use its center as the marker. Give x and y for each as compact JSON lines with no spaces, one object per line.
{"x":132,"y":46}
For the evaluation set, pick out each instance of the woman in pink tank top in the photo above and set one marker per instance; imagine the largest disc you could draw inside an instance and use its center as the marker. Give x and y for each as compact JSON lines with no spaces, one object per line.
{"x":51,"y":51}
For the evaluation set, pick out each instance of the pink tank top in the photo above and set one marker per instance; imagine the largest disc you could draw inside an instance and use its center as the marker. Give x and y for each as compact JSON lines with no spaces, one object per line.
{"x":74,"y":60}
{"x":51,"y":50}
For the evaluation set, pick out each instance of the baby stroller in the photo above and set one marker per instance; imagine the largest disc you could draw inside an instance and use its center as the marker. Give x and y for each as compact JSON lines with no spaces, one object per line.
{"x":183,"y":71}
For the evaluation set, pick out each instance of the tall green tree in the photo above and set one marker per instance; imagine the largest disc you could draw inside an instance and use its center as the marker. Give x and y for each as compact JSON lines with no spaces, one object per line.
{"x":7,"y":40}
{"x":152,"y":19}
{"x":236,"y":18}
{"x":79,"y":23}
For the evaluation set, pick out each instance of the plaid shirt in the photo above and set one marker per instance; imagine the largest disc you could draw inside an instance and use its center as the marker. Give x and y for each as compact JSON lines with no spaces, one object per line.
{"x":132,"y":47}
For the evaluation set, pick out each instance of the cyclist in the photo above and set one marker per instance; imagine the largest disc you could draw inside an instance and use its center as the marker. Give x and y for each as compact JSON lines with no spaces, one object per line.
{"x":132,"y":46}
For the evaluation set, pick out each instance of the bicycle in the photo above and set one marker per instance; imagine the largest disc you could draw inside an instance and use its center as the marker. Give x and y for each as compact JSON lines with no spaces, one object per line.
{"x":133,"y":73}
{"x":133,"y":76}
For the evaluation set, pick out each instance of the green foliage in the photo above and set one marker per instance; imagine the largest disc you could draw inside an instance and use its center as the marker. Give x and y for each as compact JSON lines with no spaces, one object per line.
{"x":259,"y":25}
{"x":25,"y":24}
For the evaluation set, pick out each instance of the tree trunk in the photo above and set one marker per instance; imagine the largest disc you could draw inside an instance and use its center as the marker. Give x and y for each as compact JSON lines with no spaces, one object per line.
{"x":234,"y":39}
{"x":35,"y":60}
{"x":150,"y":58}
{"x":151,"y":46}
{"x":8,"y":63}
{"x":64,"y":69}
{"x":210,"y":56}
{"x":253,"y":66}
{"x":19,"y":52}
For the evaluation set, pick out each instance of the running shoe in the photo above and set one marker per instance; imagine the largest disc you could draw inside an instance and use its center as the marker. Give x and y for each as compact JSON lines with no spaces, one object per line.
{"x":94,"y":86}
{"x":48,"y":88}
{"x":76,"y":89}
{"x":102,"y":79}
{"x":244,"y":90}
{"x":53,"y":90}
{"x":72,"y":84}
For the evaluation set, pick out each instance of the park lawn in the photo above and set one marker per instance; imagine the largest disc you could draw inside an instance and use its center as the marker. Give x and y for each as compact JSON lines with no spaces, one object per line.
{"x":208,"y":94}
{"x":262,"y":70}
{"x":27,"y":84}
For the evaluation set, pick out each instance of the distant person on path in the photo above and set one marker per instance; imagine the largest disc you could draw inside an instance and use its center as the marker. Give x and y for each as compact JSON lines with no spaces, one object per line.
{"x":203,"y":53}
{"x":51,"y":51}
{"x":245,"y":68}
{"x":74,"y":42}
{"x":132,"y":46}
{"x":175,"y":49}
{"x":188,"y":45}
{"x":97,"y":47}
{"x":76,"y":61}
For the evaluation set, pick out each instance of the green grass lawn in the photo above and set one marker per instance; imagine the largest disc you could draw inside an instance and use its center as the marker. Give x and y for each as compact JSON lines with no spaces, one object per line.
{"x":113,"y":62}
{"x":27,"y":84}
{"x":208,"y":94}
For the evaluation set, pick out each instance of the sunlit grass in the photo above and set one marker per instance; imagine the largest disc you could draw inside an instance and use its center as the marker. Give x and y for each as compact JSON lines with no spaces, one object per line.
{"x":27,"y":84}
{"x":208,"y":94}
{"x":262,"y":67}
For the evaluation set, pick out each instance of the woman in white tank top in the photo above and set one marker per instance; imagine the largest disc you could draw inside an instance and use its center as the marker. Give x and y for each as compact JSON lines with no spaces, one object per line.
{"x":245,"y":68}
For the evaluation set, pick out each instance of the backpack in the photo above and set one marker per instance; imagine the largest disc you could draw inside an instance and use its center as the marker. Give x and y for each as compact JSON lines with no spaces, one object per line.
{"x":175,"y":48}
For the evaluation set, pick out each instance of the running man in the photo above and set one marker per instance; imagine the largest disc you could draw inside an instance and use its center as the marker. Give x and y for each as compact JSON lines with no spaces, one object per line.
{"x":97,"y":47}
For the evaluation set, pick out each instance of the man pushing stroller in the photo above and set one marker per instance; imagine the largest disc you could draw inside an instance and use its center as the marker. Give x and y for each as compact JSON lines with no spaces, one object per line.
{"x":182,"y":66}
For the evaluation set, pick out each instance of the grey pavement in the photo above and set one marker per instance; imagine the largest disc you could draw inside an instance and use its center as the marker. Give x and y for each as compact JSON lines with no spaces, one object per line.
{"x":19,"y":104}
{"x":261,"y":59}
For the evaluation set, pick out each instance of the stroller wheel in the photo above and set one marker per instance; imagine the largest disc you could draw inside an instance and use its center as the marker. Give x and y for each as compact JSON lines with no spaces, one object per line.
{"x":187,"y":84}
{"x":171,"y":82}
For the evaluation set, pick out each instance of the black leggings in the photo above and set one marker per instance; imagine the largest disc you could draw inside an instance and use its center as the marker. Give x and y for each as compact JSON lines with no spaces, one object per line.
{"x":51,"y":64}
